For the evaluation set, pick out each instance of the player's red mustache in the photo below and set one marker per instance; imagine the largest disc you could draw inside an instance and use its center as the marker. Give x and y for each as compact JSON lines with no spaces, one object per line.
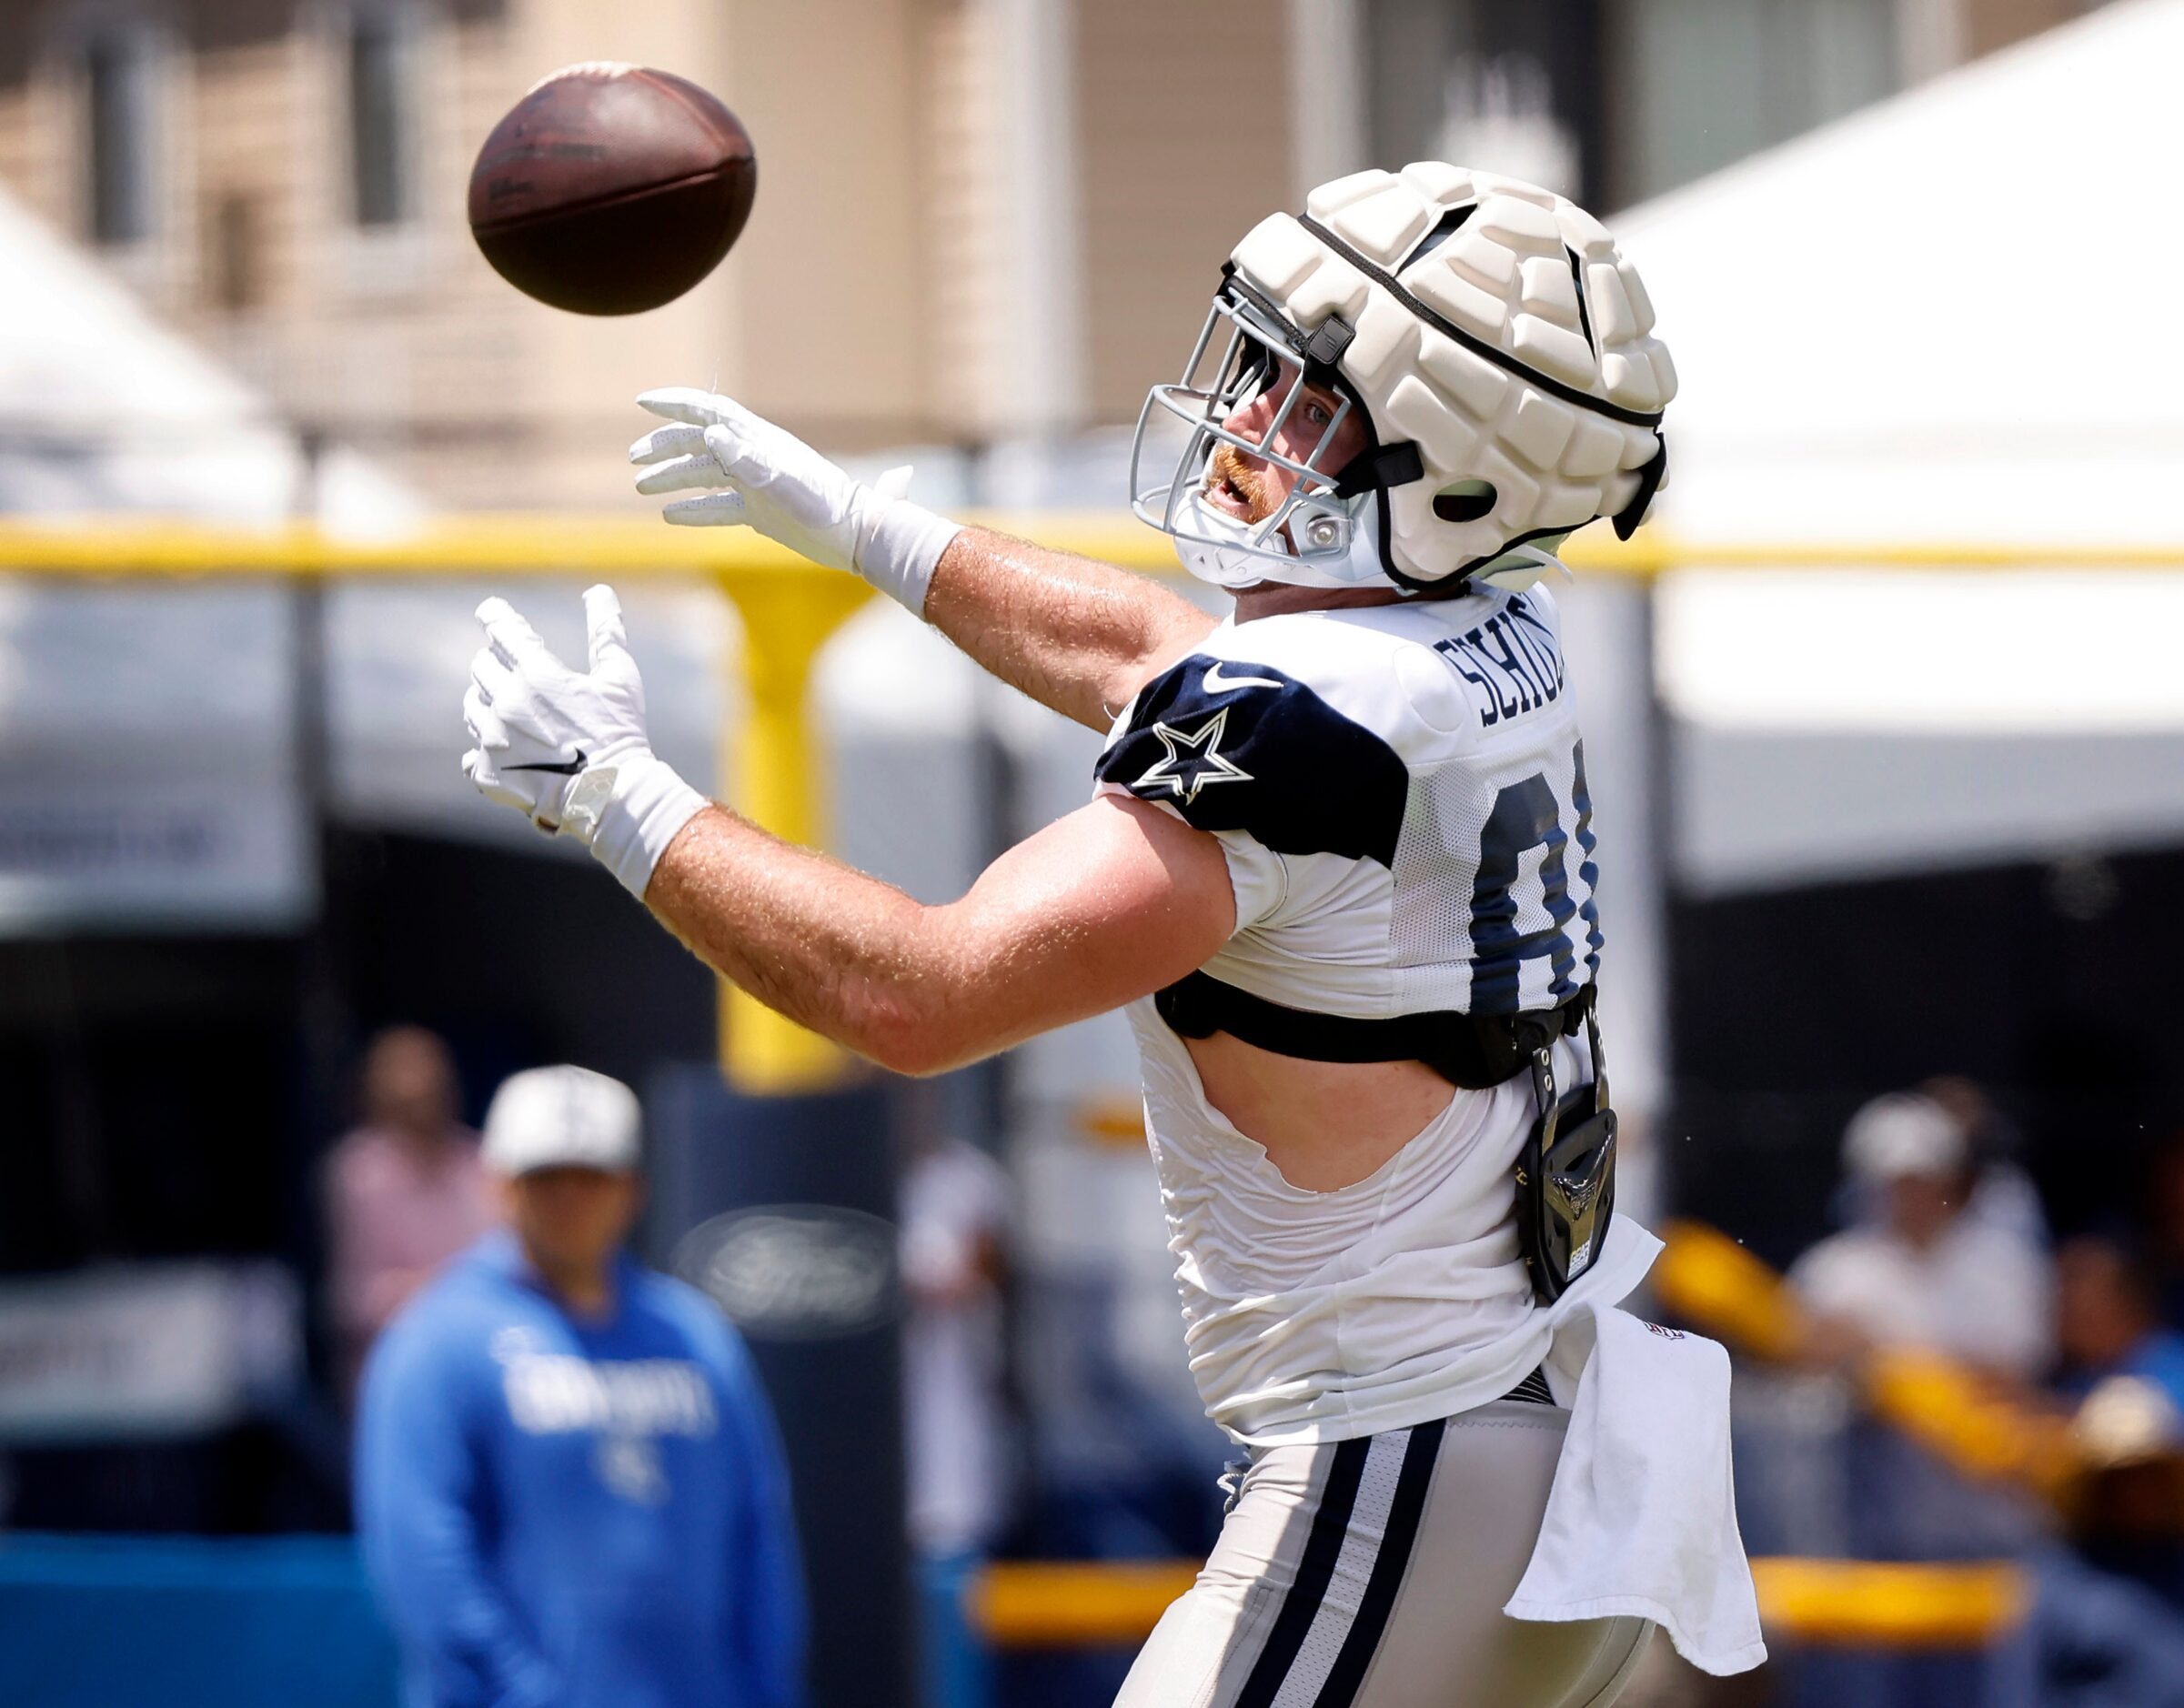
{"x":1246,"y":479}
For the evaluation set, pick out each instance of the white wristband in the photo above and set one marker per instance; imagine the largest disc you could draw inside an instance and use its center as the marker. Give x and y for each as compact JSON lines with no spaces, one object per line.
{"x":899,"y":546}
{"x":628,"y":812}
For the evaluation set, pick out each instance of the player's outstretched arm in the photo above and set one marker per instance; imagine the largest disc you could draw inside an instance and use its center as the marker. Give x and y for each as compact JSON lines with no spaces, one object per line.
{"x":1074,"y":634}
{"x":1103,"y":906}
{"x":1114,"y":901}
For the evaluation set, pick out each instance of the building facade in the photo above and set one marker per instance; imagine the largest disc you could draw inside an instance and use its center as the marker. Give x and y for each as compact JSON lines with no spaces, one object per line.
{"x":979,"y":221}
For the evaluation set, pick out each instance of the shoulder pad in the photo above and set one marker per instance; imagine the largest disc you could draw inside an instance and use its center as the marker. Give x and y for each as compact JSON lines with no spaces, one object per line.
{"x":1235,"y":746}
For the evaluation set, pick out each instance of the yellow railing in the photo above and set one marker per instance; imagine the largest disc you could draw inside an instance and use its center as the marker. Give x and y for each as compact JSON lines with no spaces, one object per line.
{"x":1709,"y":1279}
{"x":472,"y":544}
{"x":1845,"y":1604}
{"x":789,"y":608}
{"x":541,"y":543}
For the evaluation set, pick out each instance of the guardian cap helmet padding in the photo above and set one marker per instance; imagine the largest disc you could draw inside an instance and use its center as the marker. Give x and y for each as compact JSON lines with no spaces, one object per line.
{"x":1497,"y":346}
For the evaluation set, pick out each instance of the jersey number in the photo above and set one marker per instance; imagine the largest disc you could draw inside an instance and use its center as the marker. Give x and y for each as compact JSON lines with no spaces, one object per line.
{"x":1527,"y":816}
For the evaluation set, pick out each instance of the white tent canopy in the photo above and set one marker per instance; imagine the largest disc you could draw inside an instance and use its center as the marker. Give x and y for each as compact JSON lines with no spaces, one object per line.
{"x":1935,"y":322}
{"x":106,"y":410}
{"x":1942,"y":318}
{"x":148,"y":763}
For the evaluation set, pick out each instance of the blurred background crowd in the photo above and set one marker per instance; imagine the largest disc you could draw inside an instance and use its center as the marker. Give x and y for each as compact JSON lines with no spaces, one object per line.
{"x":1892,"y":835}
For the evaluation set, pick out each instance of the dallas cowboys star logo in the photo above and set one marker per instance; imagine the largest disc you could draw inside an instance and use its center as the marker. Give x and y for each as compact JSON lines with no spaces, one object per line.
{"x":1192,"y":761}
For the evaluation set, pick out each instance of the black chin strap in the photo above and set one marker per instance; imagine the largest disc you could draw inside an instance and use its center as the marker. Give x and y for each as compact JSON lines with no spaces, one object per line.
{"x":1627,"y":518}
{"x":1378,"y":467}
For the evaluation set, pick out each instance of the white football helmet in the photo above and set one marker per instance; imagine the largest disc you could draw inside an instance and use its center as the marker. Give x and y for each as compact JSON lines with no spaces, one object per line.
{"x":1498,"y":347}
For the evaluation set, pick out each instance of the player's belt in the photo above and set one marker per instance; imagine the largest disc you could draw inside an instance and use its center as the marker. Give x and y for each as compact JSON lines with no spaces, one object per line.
{"x":1470,"y":1051}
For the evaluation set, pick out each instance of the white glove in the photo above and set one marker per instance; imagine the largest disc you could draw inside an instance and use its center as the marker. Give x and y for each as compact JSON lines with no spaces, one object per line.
{"x":757,"y":474}
{"x":568,"y":751}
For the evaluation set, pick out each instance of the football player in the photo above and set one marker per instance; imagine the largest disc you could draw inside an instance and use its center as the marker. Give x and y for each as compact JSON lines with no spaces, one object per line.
{"x":1339,"y":868}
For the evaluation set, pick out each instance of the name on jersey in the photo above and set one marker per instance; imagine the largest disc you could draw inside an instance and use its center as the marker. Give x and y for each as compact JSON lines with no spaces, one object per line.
{"x":1510,"y":661}
{"x":551,"y":1393}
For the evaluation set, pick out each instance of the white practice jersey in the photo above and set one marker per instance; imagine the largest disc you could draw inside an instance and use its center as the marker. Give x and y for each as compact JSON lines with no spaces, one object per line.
{"x":1400,"y":791}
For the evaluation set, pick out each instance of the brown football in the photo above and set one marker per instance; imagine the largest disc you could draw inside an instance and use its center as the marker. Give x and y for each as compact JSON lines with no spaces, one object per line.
{"x":609,"y":189}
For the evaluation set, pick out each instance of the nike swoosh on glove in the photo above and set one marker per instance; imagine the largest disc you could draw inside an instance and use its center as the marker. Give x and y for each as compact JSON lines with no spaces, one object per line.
{"x":753,"y":474}
{"x":568,"y":748}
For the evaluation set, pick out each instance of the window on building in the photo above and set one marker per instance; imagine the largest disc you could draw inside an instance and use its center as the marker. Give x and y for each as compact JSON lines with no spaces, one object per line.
{"x":1707,"y":82}
{"x":383,"y":114}
{"x":235,"y":252}
{"x":1617,"y":100}
{"x":122,"y":151}
{"x":1516,"y":88}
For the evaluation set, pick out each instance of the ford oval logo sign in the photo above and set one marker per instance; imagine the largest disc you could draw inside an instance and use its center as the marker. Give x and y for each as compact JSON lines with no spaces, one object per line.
{"x":794,"y":1272}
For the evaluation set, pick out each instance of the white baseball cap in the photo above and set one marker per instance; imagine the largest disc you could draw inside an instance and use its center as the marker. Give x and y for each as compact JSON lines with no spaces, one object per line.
{"x":2126,"y":1420}
{"x":564,"y":1117}
{"x":1902,"y":1134}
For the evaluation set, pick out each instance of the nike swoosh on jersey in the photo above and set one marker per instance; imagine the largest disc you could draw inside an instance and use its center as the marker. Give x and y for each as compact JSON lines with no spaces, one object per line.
{"x":1216,"y":683}
{"x":559,"y":768}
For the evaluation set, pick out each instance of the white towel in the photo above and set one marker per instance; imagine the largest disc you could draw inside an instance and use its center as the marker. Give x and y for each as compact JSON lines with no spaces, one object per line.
{"x":1642,"y":1518}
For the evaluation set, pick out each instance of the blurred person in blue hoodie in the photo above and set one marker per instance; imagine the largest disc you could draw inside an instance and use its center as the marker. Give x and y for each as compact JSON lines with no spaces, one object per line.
{"x":569,"y":1488}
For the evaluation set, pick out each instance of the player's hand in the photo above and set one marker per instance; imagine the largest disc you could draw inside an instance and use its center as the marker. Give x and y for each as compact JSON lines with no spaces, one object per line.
{"x":751,"y":473}
{"x":568,"y":748}
{"x":546,"y":739}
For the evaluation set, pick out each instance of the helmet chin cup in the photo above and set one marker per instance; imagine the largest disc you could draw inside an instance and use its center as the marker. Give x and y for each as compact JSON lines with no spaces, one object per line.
{"x":1219,"y":547}
{"x":1339,"y":538}
{"x":1225,"y":566}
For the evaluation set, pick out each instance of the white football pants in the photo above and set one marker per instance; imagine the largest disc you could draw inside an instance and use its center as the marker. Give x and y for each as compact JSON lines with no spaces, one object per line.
{"x":1371,"y":1573}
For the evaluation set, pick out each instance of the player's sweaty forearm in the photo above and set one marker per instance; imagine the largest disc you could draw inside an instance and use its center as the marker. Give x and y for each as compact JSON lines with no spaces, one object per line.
{"x":1074,"y":634}
{"x":810,"y":938}
{"x":1107,"y":903}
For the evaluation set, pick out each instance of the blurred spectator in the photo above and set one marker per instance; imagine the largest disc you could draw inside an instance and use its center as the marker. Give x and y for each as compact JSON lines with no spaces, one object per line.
{"x":2002,"y":1192}
{"x":955,"y":1225}
{"x":955,"y":1228}
{"x":2108,"y":1627}
{"x":2108,"y":1323}
{"x":1914,"y":1270}
{"x":404,"y":1192}
{"x":569,"y":1487}
{"x":2127,"y":1373}
{"x":2099,"y":1639}
{"x":2127,"y":1511}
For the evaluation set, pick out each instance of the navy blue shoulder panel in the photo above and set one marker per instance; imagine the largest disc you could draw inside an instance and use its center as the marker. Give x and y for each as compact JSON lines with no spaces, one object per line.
{"x":1232,"y":746}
